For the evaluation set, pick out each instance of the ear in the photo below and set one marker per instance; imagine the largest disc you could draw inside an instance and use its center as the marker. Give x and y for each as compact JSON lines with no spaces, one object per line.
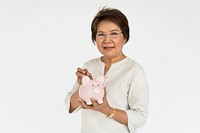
{"x":85,"y":79}
{"x":100,"y":79}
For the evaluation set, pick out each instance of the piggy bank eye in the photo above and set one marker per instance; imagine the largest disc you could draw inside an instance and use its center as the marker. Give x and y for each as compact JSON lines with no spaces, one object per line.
{"x":98,"y":85}
{"x":92,"y":85}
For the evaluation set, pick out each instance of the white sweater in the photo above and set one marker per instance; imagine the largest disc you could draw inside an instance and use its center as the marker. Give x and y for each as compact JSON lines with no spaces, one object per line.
{"x":126,"y":89}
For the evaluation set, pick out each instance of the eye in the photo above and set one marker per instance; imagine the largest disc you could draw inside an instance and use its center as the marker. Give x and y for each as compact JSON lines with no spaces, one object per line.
{"x":98,"y":85}
{"x":113,"y":33}
{"x":100,"y":34}
{"x":92,"y":85}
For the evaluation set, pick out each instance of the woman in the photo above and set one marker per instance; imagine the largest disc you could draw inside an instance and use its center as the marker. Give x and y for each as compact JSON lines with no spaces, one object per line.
{"x":125,"y":103}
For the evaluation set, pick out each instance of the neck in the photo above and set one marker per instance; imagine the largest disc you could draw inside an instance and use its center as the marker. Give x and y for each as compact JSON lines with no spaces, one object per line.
{"x":111,"y":60}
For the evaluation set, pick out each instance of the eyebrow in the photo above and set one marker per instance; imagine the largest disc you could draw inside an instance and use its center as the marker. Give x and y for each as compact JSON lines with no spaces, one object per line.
{"x":109,"y":31}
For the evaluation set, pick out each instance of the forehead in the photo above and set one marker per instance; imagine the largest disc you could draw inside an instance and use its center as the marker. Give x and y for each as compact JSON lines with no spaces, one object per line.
{"x":106,"y":25}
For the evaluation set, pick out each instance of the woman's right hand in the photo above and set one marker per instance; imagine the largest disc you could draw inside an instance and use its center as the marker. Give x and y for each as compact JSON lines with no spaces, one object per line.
{"x":82,"y":72}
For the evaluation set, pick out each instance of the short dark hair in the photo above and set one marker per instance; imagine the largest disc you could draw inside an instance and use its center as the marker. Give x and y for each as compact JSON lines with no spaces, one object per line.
{"x":113,"y":15}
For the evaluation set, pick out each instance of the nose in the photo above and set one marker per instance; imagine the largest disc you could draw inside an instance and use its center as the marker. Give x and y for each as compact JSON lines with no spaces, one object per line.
{"x":96,"y":90}
{"x":107,"y":38}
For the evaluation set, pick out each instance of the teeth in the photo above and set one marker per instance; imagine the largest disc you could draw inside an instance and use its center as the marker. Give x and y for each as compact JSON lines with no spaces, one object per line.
{"x":108,"y":47}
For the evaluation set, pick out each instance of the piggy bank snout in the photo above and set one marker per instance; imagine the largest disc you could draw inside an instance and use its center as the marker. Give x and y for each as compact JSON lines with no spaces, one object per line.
{"x":97,"y":90}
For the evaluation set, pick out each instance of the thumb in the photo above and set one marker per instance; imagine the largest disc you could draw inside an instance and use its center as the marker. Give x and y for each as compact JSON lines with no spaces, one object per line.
{"x":105,"y":93}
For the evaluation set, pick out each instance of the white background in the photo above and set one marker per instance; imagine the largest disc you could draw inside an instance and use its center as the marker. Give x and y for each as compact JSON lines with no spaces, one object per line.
{"x":42,"y":42}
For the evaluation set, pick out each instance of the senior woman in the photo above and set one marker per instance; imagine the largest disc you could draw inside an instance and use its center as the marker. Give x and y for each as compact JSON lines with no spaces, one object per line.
{"x":125,"y":103}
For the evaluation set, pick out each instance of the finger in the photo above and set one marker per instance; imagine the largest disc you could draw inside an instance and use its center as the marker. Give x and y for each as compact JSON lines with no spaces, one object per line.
{"x":88,"y":74}
{"x":105,"y":93}
{"x":94,"y":102}
{"x":82,"y":103}
{"x":80,"y":70}
{"x":79,"y":74}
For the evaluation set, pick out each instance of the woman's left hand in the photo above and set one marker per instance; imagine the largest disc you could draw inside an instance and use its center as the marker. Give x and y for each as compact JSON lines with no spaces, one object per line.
{"x":103,"y":108}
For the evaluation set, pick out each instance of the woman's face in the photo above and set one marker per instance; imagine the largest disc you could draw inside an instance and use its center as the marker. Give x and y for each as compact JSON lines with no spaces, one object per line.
{"x":109,"y":39}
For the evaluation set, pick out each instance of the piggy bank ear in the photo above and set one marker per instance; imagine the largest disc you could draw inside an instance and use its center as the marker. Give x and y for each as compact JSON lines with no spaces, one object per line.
{"x":85,"y":79}
{"x":100,"y":79}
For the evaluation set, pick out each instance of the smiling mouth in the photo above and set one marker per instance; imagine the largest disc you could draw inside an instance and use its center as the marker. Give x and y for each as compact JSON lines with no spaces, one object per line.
{"x":108,"y":47}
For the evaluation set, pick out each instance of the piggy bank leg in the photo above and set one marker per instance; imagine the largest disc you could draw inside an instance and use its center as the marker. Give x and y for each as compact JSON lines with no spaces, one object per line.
{"x":100,"y":101}
{"x":88,"y":102}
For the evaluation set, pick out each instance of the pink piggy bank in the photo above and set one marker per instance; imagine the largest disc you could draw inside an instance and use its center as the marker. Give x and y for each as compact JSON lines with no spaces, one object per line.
{"x":92,"y":89}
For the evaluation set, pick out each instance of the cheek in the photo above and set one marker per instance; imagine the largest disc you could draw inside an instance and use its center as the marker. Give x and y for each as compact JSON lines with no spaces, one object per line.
{"x":98,"y":41}
{"x":120,"y":42}
{"x":98,"y":44}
